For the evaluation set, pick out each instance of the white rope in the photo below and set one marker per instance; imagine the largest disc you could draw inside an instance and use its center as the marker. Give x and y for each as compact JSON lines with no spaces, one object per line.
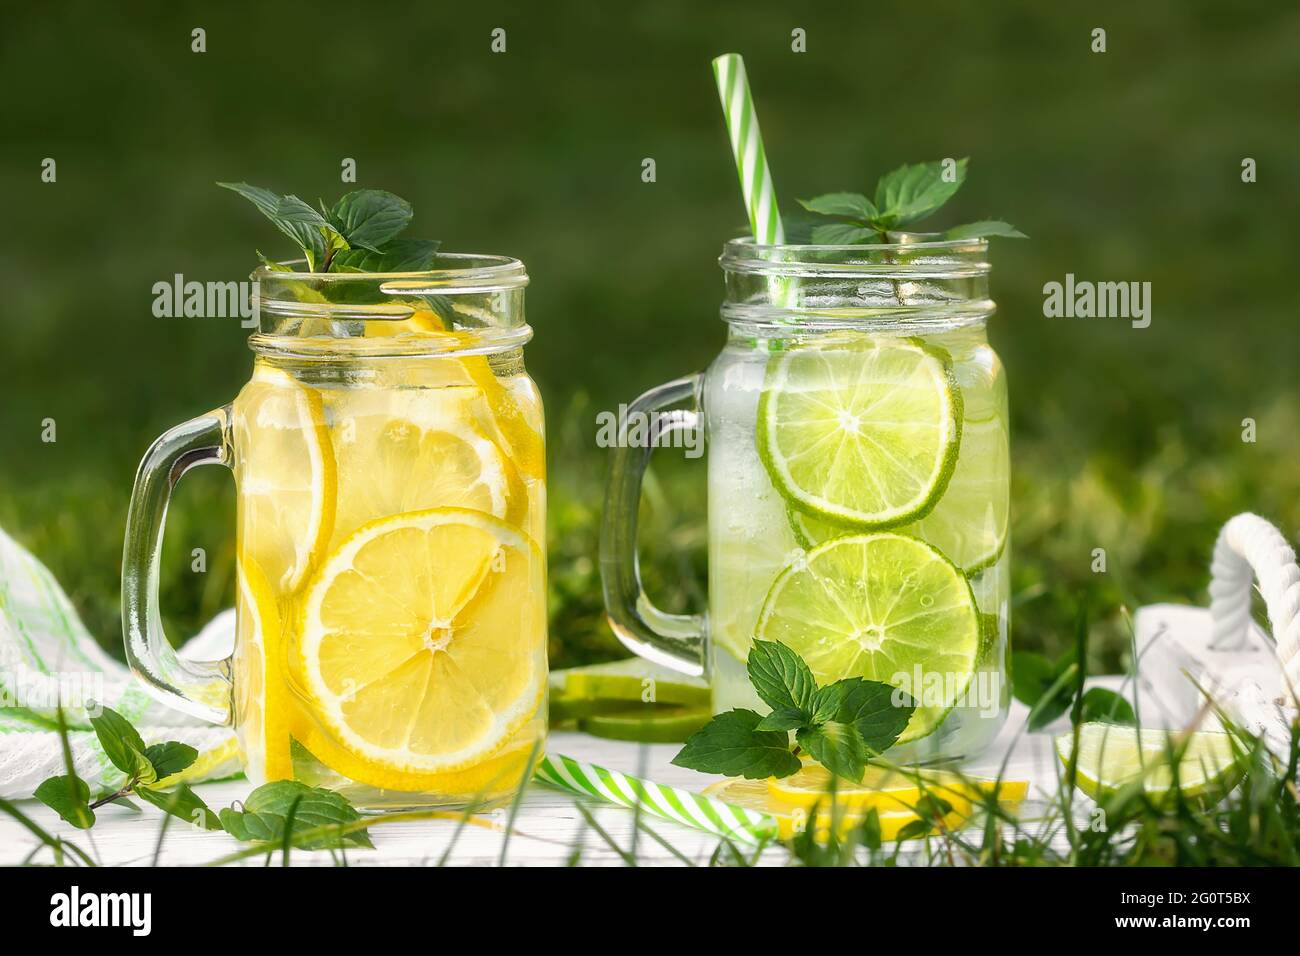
{"x":1249,"y":549}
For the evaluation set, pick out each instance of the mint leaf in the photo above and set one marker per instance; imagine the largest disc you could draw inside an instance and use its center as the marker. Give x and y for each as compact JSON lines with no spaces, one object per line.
{"x":783,"y":718}
{"x":370,"y":217}
{"x":849,"y":205}
{"x":842,"y":234}
{"x":1107,"y":706}
{"x":308,"y":236}
{"x":912,"y":192}
{"x":984,"y":228}
{"x":122,"y":744}
{"x":1042,"y":685}
{"x":836,"y":746}
{"x":182,"y":803}
{"x":400,"y":255}
{"x":780,"y":677}
{"x":170,"y":758}
{"x":871,"y":707}
{"x":264,"y":813}
{"x":732,"y":744}
{"x":69,"y":797}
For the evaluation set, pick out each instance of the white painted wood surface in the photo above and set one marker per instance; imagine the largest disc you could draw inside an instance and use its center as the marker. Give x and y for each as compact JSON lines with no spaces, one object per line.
{"x":548,"y":830}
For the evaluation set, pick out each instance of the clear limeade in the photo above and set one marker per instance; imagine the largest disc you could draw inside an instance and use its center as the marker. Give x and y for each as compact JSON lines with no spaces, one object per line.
{"x":392,"y":618}
{"x":858,"y":511}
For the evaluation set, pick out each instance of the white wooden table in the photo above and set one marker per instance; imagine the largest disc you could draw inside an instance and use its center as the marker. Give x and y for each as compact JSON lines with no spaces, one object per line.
{"x":548,"y":830}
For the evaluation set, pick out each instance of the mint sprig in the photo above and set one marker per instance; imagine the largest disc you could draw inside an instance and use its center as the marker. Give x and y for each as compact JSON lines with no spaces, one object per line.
{"x":357,"y":234}
{"x":841,"y":725}
{"x":903,"y":197}
{"x":269,"y":812}
{"x":144,"y":766}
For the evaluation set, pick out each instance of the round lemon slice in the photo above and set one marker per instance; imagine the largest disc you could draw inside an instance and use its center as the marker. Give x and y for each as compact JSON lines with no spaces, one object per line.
{"x":416,"y":449}
{"x":284,"y":468}
{"x":424,"y":638}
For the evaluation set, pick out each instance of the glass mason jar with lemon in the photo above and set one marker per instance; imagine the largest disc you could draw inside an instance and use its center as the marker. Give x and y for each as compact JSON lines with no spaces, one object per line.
{"x":858,"y":485}
{"x":391,"y":608}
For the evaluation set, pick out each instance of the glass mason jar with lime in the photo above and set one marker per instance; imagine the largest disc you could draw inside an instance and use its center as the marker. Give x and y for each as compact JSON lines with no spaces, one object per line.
{"x":391,"y":607}
{"x":858,"y":484}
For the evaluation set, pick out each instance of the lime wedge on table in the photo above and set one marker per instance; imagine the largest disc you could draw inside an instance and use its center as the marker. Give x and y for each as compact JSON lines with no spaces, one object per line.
{"x":969,"y":522}
{"x":633,"y":679}
{"x":865,"y":434}
{"x":630,"y":699}
{"x":647,"y":723}
{"x":879,"y":606}
{"x":1112,"y":756}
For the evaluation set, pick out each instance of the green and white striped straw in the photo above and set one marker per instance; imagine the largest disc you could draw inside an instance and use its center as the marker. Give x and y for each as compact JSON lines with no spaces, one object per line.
{"x":669,"y":803}
{"x":747,"y":146}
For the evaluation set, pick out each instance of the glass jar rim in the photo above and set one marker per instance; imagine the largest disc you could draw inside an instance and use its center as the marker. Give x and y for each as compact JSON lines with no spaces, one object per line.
{"x":916,"y":255}
{"x":467,"y":273}
{"x":337,"y":313}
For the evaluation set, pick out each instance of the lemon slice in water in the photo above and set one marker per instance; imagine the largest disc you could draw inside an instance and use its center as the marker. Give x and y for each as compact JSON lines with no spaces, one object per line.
{"x":284,"y":468}
{"x":423,"y":640}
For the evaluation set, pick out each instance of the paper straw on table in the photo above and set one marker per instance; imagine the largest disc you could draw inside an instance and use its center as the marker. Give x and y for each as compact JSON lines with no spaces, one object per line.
{"x":669,"y":803}
{"x":747,"y":145}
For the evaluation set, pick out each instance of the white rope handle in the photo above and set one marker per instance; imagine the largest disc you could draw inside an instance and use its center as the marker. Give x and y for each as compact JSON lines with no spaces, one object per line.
{"x":1248,"y":550}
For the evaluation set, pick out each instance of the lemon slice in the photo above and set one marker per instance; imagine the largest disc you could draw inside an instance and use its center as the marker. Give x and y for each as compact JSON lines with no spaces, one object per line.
{"x":792,"y":819}
{"x":412,"y":450}
{"x":284,"y":468}
{"x":261,"y":700}
{"x":1112,"y":756}
{"x":514,"y":408}
{"x":424,"y":638}
{"x":887,"y":788}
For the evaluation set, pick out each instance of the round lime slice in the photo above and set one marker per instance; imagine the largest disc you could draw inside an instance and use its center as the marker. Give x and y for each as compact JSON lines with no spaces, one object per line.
{"x":969,"y":523}
{"x":865,"y":434}
{"x":882,"y":606}
{"x":1112,"y":756}
{"x":629,"y":680}
{"x":647,"y":723}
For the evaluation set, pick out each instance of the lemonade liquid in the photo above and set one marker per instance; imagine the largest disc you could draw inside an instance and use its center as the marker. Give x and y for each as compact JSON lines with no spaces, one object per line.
{"x":391,"y":628}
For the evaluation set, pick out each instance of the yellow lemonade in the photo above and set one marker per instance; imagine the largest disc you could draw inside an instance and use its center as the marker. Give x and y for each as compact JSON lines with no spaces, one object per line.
{"x":392,"y":594}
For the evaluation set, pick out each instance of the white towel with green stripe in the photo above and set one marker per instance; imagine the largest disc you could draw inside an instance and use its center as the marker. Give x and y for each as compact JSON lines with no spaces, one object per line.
{"x":48,"y":659}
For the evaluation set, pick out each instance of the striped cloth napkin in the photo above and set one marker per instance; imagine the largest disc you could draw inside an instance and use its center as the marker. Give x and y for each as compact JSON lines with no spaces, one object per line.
{"x":47,"y":656}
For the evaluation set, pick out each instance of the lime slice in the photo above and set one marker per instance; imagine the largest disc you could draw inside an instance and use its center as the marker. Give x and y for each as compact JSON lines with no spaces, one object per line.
{"x":1112,"y":756}
{"x":864,"y":435}
{"x":633,"y":680}
{"x":969,"y":524}
{"x":793,"y":819}
{"x":882,"y":606}
{"x":647,"y":723}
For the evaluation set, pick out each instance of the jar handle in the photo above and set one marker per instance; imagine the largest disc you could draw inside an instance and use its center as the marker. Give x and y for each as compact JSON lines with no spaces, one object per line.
{"x":673,"y":640}
{"x":199,"y":688}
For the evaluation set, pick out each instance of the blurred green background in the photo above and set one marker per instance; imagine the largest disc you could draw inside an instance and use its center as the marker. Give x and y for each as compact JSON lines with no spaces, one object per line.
{"x":1120,"y":166}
